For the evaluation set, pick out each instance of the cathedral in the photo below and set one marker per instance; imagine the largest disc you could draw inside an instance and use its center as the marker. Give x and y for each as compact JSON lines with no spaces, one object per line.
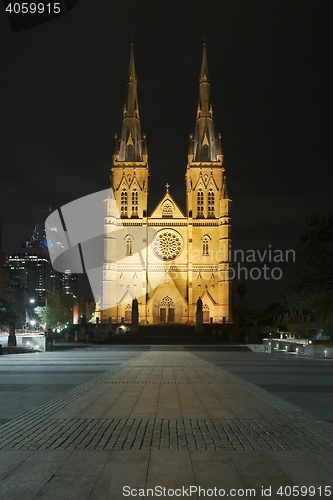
{"x":167,"y":260}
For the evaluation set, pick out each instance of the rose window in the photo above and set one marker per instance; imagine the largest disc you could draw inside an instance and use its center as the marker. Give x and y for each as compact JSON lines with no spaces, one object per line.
{"x":167,"y":244}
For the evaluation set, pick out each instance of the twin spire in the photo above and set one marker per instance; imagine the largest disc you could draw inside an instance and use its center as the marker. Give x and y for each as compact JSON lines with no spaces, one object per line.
{"x":132,"y":146}
{"x":204,"y":147}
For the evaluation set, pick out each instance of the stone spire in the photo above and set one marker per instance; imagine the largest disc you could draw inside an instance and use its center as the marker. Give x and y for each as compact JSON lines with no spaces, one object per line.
{"x":130,"y":148}
{"x":205,"y":146}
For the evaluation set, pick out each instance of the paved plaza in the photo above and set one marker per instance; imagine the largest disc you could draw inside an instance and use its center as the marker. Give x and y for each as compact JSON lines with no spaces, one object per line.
{"x":115,"y":423}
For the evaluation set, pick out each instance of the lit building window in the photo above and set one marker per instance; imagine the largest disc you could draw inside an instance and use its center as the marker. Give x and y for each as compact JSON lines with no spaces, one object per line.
{"x":123,"y":202}
{"x":135,"y":202}
{"x":200,"y":203}
{"x":211,"y":201}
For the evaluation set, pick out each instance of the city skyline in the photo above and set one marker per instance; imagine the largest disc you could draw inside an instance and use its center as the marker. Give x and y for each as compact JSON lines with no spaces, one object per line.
{"x":64,"y":89}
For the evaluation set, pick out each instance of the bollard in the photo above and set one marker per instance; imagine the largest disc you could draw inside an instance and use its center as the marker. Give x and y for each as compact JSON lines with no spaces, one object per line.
{"x":0,"y":349}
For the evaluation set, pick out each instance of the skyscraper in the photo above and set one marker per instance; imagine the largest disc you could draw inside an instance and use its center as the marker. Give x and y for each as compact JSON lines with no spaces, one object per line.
{"x":31,"y":271}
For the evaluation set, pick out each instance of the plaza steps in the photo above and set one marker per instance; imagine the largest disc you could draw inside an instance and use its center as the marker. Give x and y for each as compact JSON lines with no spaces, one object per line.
{"x":166,"y":330}
{"x":168,"y":334}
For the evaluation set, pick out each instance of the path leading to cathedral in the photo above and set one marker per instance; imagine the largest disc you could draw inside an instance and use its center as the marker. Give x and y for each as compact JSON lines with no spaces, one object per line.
{"x":165,"y":419}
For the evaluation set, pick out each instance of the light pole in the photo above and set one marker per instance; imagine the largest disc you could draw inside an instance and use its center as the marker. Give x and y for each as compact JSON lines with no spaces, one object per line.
{"x":29,"y":318}
{"x":46,"y":311}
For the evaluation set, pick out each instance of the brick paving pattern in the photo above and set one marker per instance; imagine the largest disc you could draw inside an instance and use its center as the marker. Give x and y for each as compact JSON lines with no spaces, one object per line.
{"x":137,"y":434}
{"x":166,"y":417}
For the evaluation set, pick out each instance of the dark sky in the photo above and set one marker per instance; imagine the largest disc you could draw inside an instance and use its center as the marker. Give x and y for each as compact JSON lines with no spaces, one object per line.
{"x":63,"y":86}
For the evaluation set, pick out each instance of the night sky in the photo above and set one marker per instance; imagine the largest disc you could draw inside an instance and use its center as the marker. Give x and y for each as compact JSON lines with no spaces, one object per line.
{"x":63,"y":86}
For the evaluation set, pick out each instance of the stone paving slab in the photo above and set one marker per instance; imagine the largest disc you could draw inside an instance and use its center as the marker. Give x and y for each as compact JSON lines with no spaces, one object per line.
{"x":302,"y":381}
{"x":30,"y":380}
{"x":165,"y":419}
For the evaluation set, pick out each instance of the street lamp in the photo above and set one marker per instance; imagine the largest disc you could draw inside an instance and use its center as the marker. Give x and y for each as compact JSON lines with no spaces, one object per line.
{"x":29,"y":318}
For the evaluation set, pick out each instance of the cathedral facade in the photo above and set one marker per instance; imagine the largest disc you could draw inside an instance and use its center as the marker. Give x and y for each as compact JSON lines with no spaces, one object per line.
{"x":167,"y":260}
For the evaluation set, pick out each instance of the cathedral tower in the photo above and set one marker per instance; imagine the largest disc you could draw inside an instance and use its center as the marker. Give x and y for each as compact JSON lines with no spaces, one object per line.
{"x":129,"y":173}
{"x":124,"y":276}
{"x":208,"y":209}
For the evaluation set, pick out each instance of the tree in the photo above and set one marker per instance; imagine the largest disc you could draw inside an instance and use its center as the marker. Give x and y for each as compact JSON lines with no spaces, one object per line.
{"x":313,"y":279}
{"x":266,"y":317}
{"x":58,"y":312}
{"x":241,"y":291}
{"x":40,"y":312}
{"x":314,"y":274}
{"x":7,"y":314}
{"x":242,"y":316}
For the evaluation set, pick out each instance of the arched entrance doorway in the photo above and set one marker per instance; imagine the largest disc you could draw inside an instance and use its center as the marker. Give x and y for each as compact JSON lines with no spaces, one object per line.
{"x":167,"y":310}
{"x":206,"y":315}
{"x":128,"y":313}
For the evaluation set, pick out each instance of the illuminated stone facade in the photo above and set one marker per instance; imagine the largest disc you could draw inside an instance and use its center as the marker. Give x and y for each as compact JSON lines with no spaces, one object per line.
{"x":167,"y":260}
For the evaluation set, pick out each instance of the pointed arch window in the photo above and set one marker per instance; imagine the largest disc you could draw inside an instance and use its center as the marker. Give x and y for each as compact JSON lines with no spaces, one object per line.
{"x":200,"y":203}
{"x":123,"y":203}
{"x":129,"y":244}
{"x":211,"y":201}
{"x":205,"y":246}
{"x":167,"y":209}
{"x":135,"y":202}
